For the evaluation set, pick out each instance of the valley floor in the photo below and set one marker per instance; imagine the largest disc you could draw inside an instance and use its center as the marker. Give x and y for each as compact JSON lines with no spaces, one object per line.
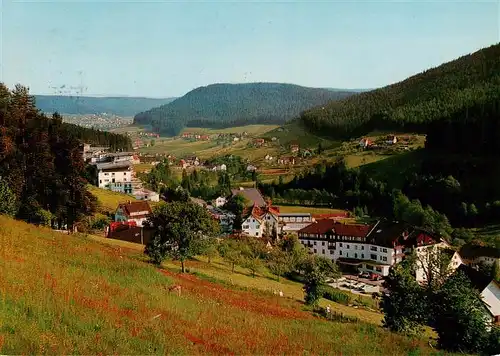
{"x":74,"y":294}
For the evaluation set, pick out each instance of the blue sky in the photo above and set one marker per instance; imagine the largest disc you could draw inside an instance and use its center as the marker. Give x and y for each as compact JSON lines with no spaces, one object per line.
{"x":166,"y":48}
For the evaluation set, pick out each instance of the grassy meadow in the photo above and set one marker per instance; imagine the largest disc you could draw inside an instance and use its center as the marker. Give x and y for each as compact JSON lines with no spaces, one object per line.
{"x":72,"y":294}
{"x":249,"y":129}
{"x":107,"y":200}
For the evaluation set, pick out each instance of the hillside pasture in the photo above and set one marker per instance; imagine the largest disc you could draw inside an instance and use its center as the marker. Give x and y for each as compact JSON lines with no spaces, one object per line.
{"x":68,"y":294}
{"x":252,"y":130}
{"x":108,"y":200}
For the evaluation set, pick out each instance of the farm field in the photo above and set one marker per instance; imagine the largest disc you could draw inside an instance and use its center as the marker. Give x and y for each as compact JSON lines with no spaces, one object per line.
{"x":68,"y":294}
{"x":250,"y":129}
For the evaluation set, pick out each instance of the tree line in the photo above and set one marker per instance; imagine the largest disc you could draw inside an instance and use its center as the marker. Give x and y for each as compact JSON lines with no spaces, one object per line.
{"x":412,"y":104}
{"x":225,"y":105}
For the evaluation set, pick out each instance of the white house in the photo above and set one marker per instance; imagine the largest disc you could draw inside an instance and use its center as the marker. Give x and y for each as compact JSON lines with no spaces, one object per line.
{"x":474,"y":255}
{"x":391,"y":140}
{"x":251,"y":168}
{"x":253,"y":225}
{"x":363,"y":248}
{"x":428,"y":253}
{"x":489,"y":289}
{"x":115,"y":176}
{"x":137,"y":211}
{"x":220,"y":201}
{"x":146,"y":194}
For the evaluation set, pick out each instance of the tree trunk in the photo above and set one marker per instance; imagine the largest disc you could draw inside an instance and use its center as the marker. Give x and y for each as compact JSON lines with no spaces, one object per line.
{"x":182,"y":266}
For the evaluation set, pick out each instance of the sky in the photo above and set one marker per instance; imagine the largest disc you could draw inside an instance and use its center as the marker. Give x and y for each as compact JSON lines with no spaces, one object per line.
{"x":166,"y":48}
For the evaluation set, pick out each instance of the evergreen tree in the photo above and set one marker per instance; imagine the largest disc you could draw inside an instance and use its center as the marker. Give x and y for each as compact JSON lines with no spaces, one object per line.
{"x":8,"y":204}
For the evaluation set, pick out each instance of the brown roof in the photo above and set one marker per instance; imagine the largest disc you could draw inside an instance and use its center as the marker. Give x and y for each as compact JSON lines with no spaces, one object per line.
{"x":356,"y":230}
{"x":135,"y":207}
{"x":319,"y":227}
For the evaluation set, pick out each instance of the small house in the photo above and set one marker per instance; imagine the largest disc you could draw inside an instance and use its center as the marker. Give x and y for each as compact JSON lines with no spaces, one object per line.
{"x":391,"y":140}
{"x":287,"y":160}
{"x":251,"y":168}
{"x":294,"y":148}
{"x":258,"y":141}
{"x":220,"y":201}
{"x":137,"y":211}
{"x":365,"y":142}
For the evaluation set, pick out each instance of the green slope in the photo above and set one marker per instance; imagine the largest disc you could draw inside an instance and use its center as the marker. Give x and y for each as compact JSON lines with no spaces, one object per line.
{"x":412,"y":103}
{"x":228,"y":105}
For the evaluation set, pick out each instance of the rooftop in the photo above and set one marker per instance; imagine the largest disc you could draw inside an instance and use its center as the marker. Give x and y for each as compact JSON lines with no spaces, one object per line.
{"x":135,"y":207}
{"x":111,"y":165}
{"x":478,"y":279}
{"x":251,"y":194}
{"x":387,"y":233}
{"x":319,"y":227}
{"x":356,"y":230}
{"x":473,"y":251}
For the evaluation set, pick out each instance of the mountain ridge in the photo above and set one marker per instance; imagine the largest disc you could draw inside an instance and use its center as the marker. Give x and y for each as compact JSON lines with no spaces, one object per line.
{"x":117,"y":105}
{"x":224,"y":105}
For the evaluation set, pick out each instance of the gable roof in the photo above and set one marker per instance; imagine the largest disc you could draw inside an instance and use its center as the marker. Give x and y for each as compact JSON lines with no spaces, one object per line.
{"x":319,"y":227}
{"x":478,"y":279}
{"x":388,"y":233}
{"x":251,"y":194}
{"x":135,"y":207}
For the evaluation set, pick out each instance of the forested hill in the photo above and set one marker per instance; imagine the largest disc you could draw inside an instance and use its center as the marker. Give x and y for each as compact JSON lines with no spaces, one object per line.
{"x":436,"y":93}
{"x":121,"y":106}
{"x":226,"y":105}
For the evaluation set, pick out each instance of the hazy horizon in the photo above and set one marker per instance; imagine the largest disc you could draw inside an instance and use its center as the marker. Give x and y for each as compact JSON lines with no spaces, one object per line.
{"x":166,"y":49}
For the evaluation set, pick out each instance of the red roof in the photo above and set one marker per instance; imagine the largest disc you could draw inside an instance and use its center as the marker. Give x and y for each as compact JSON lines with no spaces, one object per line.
{"x":319,"y":227}
{"x":356,"y":230}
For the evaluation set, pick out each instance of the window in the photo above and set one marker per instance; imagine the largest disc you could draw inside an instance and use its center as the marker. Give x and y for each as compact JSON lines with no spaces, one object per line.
{"x":347,"y":246}
{"x":315,"y":251}
{"x":258,"y":226}
{"x":106,"y":174}
{"x":256,"y":234}
{"x":373,"y":248}
{"x":124,"y":173}
{"x":341,"y":244}
{"x":373,"y":257}
{"x":323,"y":243}
{"x":347,"y":254}
{"x":384,"y":250}
{"x":384,"y":259}
{"x":340,"y":252}
{"x":268,"y":217}
{"x":378,"y":269}
{"x":253,"y":220}
{"x":113,"y":173}
{"x":355,"y":247}
{"x":323,"y":251}
{"x":362,"y":255}
{"x":362,"y":247}
{"x":355,"y":255}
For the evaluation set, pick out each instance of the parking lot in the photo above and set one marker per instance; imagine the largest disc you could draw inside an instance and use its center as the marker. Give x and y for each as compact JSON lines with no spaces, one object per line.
{"x":357,"y":285}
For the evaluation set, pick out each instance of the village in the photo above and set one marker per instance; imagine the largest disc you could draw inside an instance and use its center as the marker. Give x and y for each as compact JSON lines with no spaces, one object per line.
{"x":365,"y":252}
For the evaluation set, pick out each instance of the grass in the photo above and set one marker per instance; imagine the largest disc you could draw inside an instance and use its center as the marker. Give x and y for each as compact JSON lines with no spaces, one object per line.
{"x":306,"y":209}
{"x":250,"y":129}
{"x":294,"y":132}
{"x":108,"y":201}
{"x":394,"y":168}
{"x":69,"y":294}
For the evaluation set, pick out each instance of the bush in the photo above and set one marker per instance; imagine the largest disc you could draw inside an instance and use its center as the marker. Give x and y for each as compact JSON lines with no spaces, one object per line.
{"x":336,"y":295}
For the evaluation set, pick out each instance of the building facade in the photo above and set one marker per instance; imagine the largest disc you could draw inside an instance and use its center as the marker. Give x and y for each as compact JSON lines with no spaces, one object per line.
{"x":136,"y":212}
{"x":115,"y":176}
